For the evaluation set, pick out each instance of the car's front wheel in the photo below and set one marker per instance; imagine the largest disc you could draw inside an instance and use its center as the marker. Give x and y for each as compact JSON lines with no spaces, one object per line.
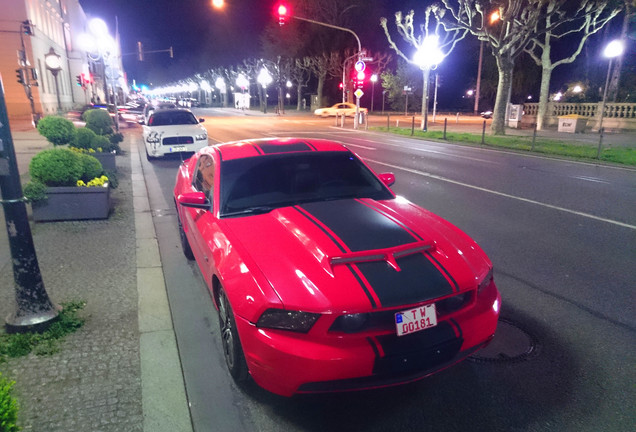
{"x":232,"y":350}
{"x":185,"y":244}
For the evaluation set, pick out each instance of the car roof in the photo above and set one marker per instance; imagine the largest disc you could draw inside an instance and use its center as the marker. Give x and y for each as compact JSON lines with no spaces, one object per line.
{"x":268,"y":146}
{"x":169,"y":110}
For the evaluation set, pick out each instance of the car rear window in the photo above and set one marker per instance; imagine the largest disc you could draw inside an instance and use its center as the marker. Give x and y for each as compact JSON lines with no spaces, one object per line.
{"x":167,"y":118}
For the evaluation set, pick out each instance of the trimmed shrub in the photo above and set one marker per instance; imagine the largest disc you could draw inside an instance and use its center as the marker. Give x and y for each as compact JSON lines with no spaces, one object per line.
{"x":8,"y":407}
{"x":91,"y":167}
{"x":57,"y":130}
{"x":34,"y":191}
{"x":101,"y":142}
{"x":99,"y":121}
{"x":84,"y":138}
{"x":56,"y":167}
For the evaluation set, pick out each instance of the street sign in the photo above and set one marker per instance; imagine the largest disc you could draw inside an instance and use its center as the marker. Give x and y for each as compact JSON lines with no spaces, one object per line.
{"x":358,"y":93}
{"x":360,"y":66}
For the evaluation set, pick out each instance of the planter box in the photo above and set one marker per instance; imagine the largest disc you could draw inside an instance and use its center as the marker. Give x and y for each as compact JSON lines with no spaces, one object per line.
{"x":73,"y":203}
{"x":107,"y":160}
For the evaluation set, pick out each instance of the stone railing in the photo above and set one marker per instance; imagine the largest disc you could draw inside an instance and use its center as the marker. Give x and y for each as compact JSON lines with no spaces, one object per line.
{"x":616,"y":116}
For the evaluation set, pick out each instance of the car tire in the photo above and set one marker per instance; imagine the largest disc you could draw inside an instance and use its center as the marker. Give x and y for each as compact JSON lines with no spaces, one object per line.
{"x":232,"y":350}
{"x":149,"y":158}
{"x":185,"y":244}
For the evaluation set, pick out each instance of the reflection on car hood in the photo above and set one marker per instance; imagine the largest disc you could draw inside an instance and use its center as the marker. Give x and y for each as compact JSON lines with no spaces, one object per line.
{"x":358,"y":254}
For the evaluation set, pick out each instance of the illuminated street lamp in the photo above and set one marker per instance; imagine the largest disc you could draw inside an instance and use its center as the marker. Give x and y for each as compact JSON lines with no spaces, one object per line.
{"x":264,"y":79}
{"x":374,"y":79}
{"x":53,"y":63}
{"x":613,"y":49}
{"x":427,"y":57}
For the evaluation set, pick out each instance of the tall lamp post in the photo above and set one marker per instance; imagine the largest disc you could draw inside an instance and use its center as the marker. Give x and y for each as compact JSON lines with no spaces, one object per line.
{"x":427,"y":57}
{"x":264,"y":79}
{"x":613,"y":49}
{"x":374,"y":79}
{"x":53,"y":63}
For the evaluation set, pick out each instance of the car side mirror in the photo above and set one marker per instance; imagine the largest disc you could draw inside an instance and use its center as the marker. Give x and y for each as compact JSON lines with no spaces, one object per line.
{"x":194,"y":200}
{"x":201,"y":120}
{"x":387,"y":178}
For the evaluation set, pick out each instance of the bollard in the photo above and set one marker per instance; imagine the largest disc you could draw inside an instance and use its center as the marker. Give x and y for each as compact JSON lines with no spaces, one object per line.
{"x":483,"y":133}
{"x":336,"y":119}
{"x":457,"y":118}
{"x":412,"y":125}
{"x":445,"y":123}
{"x":342,"y":120}
{"x":534,"y":136}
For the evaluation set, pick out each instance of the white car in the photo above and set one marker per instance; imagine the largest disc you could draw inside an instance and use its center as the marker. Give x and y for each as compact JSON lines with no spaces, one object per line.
{"x":346,"y":109}
{"x":171,"y":131}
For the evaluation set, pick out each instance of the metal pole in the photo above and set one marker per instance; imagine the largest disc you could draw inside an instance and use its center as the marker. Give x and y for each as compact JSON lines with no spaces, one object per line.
{"x":388,"y":124}
{"x":534,"y":136}
{"x":435,"y":98}
{"x":445,"y":124}
{"x":413,"y":126}
{"x":483,"y":133}
{"x":34,"y":307}
{"x":481,"y":56}
{"x":57,"y":91}
{"x":426,"y":74}
{"x":372,"y":94}
{"x":600,"y":124}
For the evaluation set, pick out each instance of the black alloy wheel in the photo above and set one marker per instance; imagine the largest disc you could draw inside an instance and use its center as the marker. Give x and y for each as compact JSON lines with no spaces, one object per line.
{"x":232,"y":350}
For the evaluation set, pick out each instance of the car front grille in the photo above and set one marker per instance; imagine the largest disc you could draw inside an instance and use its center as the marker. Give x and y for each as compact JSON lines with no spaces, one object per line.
{"x":385,"y":320}
{"x":177,"y":140}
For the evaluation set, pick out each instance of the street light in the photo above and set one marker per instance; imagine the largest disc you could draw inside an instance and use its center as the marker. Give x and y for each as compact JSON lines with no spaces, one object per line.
{"x":53,"y":63}
{"x":374,"y":79}
{"x":242,"y":82}
{"x":264,"y":79}
{"x":427,"y":57}
{"x":613,"y":49}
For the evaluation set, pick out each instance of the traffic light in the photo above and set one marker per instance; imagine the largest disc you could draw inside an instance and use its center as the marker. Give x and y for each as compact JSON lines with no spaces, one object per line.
{"x":360,"y":79}
{"x":283,"y":13}
{"x":340,"y":86}
{"x":78,"y":79}
{"x":27,"y":28}
{"x":86,"y":78}
{"x":19,"y":73}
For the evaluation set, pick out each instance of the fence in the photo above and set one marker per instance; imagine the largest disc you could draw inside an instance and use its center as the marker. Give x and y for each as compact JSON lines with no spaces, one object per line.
{"x":616,"y":115}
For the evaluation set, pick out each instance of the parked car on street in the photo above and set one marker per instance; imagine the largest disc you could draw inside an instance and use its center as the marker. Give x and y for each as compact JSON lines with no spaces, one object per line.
{"x":323,"y":278}
{"x":150,"y":108}
{"x":171,"y":131}
{"x":346,"y":109}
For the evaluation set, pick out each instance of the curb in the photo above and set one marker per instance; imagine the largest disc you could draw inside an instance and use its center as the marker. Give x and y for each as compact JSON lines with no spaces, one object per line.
{"x":164,"y":401}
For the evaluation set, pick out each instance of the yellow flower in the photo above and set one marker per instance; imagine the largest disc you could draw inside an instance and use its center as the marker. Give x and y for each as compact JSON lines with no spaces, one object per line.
{"x":80,"y":183}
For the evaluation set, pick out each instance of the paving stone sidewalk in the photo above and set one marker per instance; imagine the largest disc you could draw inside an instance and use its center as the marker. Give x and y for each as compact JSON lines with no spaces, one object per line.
{"x":94,"y":382}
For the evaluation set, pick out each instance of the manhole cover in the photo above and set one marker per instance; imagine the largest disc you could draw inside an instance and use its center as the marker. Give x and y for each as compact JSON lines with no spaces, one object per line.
{"x":510,"y":344}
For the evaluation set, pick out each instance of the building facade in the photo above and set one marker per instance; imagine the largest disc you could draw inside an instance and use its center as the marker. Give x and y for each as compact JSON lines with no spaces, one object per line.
{"x":31,"y":31}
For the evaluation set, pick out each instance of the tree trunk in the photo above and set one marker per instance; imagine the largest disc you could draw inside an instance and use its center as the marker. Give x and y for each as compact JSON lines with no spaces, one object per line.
{"x":505,"y":66}
{"x":544,"y":96}
{"x":300,"y":95}
{"x":321,"y":85}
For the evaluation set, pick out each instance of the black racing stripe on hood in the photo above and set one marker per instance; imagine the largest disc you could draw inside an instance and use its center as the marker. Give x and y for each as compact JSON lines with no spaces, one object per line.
{"x":268,"y":148}
{"x":446,"y":272}
{"x":359,"y":226}
{"x":418,"y":280}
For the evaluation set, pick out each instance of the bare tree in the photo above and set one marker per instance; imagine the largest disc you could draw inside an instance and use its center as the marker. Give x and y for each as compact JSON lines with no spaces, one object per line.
{"x":588,"y":18}
{"x":432,"y":44}
{"x":508,"y":35}
{"x":300,"y":73}
{"x":320,"y":66}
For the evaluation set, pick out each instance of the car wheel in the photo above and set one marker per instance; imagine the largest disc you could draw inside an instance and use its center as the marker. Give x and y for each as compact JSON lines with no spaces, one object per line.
{"x":185,"y":244}
{"x":148,"y":157}
{"x":232,"y":350}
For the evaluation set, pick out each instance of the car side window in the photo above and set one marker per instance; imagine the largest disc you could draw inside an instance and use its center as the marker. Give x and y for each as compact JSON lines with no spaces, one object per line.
{"x":204,"y":176}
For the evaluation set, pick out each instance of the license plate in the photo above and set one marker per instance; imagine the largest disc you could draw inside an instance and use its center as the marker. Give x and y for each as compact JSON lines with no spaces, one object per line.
{"x":416,"y":319}
{"x":178,"y":148}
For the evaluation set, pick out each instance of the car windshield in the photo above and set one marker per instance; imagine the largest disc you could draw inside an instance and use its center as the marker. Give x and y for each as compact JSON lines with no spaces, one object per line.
{"x":260,"y":184}
{"x":167,"y":118}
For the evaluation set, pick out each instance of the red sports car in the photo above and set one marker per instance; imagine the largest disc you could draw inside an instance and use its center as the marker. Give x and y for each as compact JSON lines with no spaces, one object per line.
{"x":323,"y":278}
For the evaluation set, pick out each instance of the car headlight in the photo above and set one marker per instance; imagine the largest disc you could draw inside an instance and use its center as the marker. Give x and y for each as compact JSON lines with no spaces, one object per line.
{"x":287,"y":320}
{"x":201,"y":137}
{"x":485,"y":281}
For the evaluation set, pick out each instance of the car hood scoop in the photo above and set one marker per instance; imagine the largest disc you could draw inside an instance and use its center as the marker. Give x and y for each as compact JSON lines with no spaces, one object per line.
{"x":356,"y":253}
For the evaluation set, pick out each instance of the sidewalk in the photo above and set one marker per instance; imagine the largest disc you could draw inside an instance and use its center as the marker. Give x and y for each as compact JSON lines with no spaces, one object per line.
{"x":121,"y":370}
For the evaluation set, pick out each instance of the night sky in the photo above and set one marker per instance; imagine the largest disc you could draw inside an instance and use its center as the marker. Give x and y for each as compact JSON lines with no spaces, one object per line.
{"x":203,"y":37}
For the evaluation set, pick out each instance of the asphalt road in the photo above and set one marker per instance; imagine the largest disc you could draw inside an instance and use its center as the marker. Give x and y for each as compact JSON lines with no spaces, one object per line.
{"x":562,"y":237}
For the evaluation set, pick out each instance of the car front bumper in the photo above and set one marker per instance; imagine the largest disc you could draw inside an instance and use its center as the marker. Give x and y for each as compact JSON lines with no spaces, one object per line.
{"x":287,"y":363}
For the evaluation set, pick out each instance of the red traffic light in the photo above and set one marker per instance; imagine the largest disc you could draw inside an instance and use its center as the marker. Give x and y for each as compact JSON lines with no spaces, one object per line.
{"x":283,"y":13}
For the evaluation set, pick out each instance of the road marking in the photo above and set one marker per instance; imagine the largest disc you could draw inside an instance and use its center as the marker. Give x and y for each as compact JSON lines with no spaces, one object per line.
{"x":361,"y":146}
{"x":591,"y":179}
{"x":550,"y":206}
